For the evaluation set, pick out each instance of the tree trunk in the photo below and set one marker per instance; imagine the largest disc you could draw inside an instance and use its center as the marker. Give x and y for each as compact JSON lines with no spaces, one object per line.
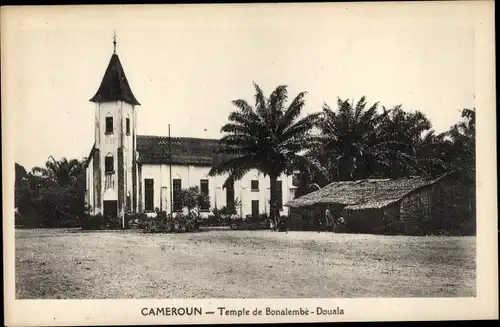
{"x":274,"y":211}
{"x":346,"y":167}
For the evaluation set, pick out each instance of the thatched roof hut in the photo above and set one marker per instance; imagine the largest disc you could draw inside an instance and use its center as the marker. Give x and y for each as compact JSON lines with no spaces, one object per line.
{"x":364,"y":194}
{"x":414,"y":205}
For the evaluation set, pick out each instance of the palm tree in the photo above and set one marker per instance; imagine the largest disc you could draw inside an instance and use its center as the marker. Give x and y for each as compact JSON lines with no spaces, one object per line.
{"x":269,"y":137}
{"x":433,"y":154}
{"x":463,"y":138}
{"x":63,"y":173}
{"x":404,"y":138}
{"x":348,"y":138}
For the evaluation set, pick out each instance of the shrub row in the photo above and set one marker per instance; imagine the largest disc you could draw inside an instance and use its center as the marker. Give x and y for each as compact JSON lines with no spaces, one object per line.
{"x":213,"y":220}
{"x":162,"y":223}
{"x":251,"y":223}
{"x":94,"y":222}
{"x":166,"y":223}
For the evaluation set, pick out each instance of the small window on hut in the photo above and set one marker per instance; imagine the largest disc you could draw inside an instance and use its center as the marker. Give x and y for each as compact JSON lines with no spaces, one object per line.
{"x":127,"y":125}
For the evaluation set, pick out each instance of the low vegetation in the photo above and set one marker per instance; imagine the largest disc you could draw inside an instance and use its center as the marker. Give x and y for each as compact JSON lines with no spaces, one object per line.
{"x":95,"y":222}
{"x":166,"y":223}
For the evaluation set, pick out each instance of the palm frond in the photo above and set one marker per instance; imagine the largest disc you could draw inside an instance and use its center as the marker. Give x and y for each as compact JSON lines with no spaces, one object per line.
{"x":236,"y":129}
{"x":293,"y":111}
{"x":241,"y":118}
{"x":301,"y":127}
{"x":360,"y":106}
{"x":231,"y":165}
{"x":276,"y":102}
{"x":260,"y":102}
{"x":246,"y":109}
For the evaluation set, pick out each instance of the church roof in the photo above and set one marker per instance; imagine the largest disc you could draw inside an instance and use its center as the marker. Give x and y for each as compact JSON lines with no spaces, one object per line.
{"x":114,"y":85}
{"x":185,"y":150}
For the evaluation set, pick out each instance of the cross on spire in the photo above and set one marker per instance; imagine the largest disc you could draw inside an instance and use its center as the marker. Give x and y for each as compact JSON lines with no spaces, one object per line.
{"x":114,"y":41}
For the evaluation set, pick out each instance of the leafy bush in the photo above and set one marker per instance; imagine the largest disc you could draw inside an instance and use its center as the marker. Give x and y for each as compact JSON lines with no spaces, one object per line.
{"x":165,"y":223}
{"x":192,"y":199}
{"x":92,"y":222}
{"x":237,"y":223}
{"x":212,"y":220}
{"x":95,"y":222}
{"x":134,"y":219}
{"x":251,"y":223}
{"x":224,"y":216}
{"x":153,"y":226}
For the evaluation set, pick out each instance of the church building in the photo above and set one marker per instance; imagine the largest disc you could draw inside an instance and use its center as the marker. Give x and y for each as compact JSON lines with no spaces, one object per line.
{"x":127,"y":172}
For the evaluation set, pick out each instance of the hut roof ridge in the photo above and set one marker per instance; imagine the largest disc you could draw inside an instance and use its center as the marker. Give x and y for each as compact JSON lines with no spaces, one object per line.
{"x":367,"y":191}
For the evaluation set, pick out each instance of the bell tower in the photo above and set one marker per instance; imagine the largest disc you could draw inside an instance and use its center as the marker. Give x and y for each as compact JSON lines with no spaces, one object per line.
{"x":114,"y":156}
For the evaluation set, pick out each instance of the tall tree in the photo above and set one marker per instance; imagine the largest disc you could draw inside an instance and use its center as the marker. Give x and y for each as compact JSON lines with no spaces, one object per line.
{"x":349,"y":138}
{"x":22,"y":198}
{"x":63,"y":172}
{"x":20,"y":175}
{"x":53,"y":195}
{"x":270,"y":137}
{"x":406,"y":138}
{"x":463,"y":138}
{"x":432,"y":154}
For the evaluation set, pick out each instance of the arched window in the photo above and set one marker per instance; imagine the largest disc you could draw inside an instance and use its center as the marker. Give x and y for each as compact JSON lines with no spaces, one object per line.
{"x":254,"y":182}
{"x":109,"y":164}
{"x":109,"y":123}
{"x":127,"y":125}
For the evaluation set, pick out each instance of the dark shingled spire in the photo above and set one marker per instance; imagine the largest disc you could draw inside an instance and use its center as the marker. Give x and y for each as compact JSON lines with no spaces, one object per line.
{"x":114,"y":85}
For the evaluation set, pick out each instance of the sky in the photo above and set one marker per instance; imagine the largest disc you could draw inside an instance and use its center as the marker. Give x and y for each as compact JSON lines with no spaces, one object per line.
{"x":186,"y":64}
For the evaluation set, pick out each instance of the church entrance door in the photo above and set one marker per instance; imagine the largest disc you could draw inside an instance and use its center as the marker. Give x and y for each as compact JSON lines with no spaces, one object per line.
{"x":110,"y":208}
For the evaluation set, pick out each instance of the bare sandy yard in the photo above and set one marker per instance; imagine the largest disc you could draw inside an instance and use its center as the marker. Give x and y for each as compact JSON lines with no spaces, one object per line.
{"x":73,"y":264}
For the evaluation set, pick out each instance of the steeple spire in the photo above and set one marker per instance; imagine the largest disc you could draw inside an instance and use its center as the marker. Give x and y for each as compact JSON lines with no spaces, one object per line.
{"x":114,"y":41}
{"x":114,"y":85}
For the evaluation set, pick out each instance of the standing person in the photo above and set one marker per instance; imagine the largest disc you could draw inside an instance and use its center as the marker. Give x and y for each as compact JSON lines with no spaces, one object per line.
{"x":319,"y":220}
{"x":328,"y":218}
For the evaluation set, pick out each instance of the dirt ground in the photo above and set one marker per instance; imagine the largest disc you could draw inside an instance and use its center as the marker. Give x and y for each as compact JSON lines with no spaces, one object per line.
{"x":73,"y":264}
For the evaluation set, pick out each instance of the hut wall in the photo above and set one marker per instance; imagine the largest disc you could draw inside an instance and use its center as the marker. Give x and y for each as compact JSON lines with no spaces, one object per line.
{"x":310,"y":218}
{"x":443,"y":208}
{"x":392,"y":219}
{"x":367,"y":220}
{"x":416,"y":209}
{"x":452,"y":208}
{"x":384,"y":220}
{"x":392,"y":212}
